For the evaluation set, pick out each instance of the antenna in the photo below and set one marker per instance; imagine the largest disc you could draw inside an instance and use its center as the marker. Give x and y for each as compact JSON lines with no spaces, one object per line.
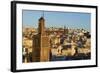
{"x":43,"y":14}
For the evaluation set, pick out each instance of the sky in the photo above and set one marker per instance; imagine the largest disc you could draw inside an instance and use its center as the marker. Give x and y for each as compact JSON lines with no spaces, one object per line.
{"x":57,"y":19}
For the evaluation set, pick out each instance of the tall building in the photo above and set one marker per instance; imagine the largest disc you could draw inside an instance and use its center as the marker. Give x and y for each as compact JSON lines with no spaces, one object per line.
{"x":65,"y":30}
{"x":41,"y":44}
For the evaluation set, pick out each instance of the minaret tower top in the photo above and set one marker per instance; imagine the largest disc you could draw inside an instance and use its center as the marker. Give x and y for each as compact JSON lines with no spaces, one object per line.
{"x":41,"y":29}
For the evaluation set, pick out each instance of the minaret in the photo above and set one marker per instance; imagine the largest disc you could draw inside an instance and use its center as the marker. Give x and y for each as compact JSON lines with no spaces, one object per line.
{"x":41,"y":28}
{"x":44,"y":40}
{"x":64,"y":29}
{"x":41,"y":44}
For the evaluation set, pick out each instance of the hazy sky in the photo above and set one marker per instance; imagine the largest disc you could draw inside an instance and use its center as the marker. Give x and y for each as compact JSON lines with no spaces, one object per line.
{"x":57,"y":19}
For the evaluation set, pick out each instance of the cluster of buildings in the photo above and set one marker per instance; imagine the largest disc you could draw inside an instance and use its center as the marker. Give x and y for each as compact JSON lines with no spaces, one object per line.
{"x":69,"y":39}
{"x":46,"y":42}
